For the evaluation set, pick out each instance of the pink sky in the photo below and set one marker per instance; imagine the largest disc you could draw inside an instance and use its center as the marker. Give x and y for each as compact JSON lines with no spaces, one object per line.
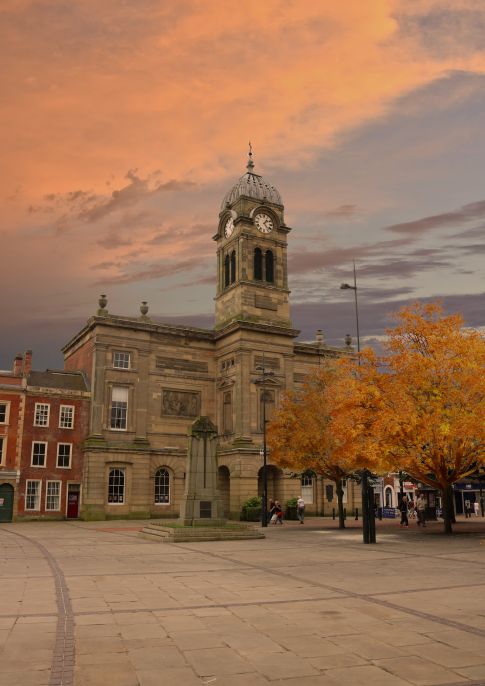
{"x":123,"y":124}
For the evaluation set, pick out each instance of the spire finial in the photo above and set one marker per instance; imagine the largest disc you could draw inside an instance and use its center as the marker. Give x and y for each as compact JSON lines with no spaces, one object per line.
{"x":250,"y":164}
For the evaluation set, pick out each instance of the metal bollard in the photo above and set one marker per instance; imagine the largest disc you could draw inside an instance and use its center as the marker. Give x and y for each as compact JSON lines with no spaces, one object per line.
{"x":356,"y":514}
{"x":333,"y":513}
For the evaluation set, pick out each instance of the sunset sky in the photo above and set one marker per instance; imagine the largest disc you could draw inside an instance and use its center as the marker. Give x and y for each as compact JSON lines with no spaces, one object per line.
{"x":124,"y":122}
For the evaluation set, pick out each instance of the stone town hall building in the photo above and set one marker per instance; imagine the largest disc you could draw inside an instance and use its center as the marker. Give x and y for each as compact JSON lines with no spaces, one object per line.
{"x":149,"y":380}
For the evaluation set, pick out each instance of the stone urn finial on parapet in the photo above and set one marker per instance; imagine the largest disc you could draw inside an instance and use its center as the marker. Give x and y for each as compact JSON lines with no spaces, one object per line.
{"x":202,"y":503}
{"x":102,"y":302}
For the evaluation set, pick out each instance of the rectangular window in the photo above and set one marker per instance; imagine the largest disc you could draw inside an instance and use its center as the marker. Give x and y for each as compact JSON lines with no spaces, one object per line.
{"x":119,"y":408}
{"x":307,"y":489}
{"x":64,"y":452}
{"x":39,"y":454}
{"x":66,"y":417}
{"x":32,"y":495}
{"x":53,"y":495}
{"x":3,"y":449}
{"x":4,"y":408}
{"x":121,"y":360}
{"x":41,"y":414}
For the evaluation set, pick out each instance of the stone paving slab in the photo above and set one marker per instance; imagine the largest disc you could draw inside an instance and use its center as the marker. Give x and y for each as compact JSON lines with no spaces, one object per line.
{"x":307,"y":606}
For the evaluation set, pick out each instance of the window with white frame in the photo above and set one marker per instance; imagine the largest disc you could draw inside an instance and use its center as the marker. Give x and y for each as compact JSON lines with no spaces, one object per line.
{"x":3,"y":449}
{"x":307,"y":488}
{"x":64,"y":452}
{"x":4,"y":412}
{"x":32,"y":494}
{"x":116,"y":486}
{"x":39,"y":454}
{"x":121,"y":359}
{"x":66,"y":417}
{"x":162,"y":487}
{"x":53,"y":496}
{"x":119,"y":408}
{"x":41,"y":417}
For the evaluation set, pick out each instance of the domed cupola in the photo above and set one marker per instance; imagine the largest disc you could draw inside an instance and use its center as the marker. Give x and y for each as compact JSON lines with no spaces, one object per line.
{"x":251,"y":185}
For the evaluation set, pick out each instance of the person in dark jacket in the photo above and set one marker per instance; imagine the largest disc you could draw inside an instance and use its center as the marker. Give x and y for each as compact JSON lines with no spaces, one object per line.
{"x":403,"y":508}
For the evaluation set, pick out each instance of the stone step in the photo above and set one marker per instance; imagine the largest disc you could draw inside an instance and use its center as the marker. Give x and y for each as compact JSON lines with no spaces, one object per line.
{"x":160,"y":533}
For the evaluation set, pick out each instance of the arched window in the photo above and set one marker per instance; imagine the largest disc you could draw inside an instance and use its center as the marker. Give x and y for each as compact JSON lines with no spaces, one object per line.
{"x":116,"y":486}
{"x":233,"y":266}
{"x":226,"y":271}
{"x":388,"y":496}
{"x":258,"y":264}
{"x":162,"y":487}
{"x":269,"y":266}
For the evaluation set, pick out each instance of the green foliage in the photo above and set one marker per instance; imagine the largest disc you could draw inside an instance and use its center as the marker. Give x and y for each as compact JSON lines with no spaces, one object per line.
{"x":255,"y":501}
{"x":291,"y":502}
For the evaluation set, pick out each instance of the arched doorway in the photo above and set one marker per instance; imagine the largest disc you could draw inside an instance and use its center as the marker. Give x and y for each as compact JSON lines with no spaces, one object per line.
{"x":224,"y":486}
{"x":6,"y":503}
{"x":388,"y":496}
{"x":274,"y":476}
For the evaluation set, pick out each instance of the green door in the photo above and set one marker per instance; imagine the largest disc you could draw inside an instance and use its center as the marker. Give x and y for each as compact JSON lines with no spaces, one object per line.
{"x":6,"y":503}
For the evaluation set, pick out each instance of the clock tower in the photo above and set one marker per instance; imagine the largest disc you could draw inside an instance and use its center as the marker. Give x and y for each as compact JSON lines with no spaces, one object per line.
{"x":252,"y":276}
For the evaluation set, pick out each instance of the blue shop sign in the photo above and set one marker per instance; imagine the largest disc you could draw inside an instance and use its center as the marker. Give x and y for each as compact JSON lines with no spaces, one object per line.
{"x":388,"y":512}
{"x":469,"y":486}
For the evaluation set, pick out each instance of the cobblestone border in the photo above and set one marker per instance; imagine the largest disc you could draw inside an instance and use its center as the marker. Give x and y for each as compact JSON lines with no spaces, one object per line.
{"x":63,"y":658}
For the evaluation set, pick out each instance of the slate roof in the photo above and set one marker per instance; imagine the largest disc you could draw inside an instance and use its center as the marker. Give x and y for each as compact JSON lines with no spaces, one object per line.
{"x":64,"y":380}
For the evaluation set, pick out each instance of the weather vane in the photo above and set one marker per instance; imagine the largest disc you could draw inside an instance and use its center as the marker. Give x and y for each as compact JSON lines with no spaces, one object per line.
{"x":250,"y":164}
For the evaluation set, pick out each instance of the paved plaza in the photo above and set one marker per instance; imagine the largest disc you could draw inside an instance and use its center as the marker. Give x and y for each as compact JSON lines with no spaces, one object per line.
{"x":94,"y":604}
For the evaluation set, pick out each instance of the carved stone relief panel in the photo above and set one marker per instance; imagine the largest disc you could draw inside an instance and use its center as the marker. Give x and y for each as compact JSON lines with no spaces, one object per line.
{"x":180,"y":403}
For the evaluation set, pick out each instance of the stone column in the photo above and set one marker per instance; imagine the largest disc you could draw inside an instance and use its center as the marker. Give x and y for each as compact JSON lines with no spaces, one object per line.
{"x":141,"y":396}
{"x":98,"y":391}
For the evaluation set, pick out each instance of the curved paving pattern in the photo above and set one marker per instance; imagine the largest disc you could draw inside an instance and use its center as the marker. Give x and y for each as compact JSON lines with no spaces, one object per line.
{"x":62,"y":667}
{"x":301,"y":608}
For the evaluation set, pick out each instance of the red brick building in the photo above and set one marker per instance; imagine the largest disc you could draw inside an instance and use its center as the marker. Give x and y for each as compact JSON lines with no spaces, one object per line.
{"x":12,"y":398}
{"x":48,"y":414}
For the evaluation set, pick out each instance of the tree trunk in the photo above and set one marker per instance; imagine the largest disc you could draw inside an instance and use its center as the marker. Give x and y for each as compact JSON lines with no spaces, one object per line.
{"x":340,"y":502}
{"x":448,"y":509}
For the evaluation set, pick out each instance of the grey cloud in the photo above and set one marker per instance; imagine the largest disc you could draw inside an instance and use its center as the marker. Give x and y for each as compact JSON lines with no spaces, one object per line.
{"x":336,"y":319}
{"x":466,"y":213}
{"x":343,"y":211}
{"x":113,"y":241}
{"x":155,"y":271}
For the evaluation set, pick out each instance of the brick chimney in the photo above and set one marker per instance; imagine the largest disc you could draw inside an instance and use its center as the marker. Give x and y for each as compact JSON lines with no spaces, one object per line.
{"x":17,"y":365}
{"x":27,"y":362}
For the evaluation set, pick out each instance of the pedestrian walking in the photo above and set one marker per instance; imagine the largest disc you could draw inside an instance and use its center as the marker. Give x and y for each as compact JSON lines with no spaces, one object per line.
{"x":300,"y":509}
{"x":468,"y":509}
{"x":403,"y":508}
{"x":476,"y":508}
{"x":420,"y":509}
{"x":271,"y":510}
{"x":277,"y":517}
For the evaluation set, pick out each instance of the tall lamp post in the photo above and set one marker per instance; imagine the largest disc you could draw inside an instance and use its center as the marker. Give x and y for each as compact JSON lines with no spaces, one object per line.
{"x":347,"y":286}
{"x":265,"y":374}
{"x":368,"y":511}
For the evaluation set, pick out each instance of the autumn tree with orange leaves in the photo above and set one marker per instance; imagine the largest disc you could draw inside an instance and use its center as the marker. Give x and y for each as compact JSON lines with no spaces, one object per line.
{"x":325,"y":427}
{"x":430,"y":394}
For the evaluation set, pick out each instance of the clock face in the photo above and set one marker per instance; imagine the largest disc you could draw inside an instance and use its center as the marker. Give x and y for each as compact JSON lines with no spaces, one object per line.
{"x":263,"y":222}
{"x":229,"y":227}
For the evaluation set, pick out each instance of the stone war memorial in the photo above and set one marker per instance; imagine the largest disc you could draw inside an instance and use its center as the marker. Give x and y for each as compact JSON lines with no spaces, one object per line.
{"x":201,"y":515}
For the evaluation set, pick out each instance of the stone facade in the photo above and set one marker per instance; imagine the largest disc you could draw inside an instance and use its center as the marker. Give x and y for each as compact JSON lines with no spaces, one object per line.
{"x":149,"y":381}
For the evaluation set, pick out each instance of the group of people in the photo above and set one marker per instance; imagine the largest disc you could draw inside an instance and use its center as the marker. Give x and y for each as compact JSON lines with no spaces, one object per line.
{"x":275,"y":514}
{"x":408,"y":509}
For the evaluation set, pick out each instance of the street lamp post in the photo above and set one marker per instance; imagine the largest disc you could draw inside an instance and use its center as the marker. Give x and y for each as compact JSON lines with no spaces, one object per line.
{"x":347,"y":286}
{"x":265,"y":374}
{"x":368,"y":510}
